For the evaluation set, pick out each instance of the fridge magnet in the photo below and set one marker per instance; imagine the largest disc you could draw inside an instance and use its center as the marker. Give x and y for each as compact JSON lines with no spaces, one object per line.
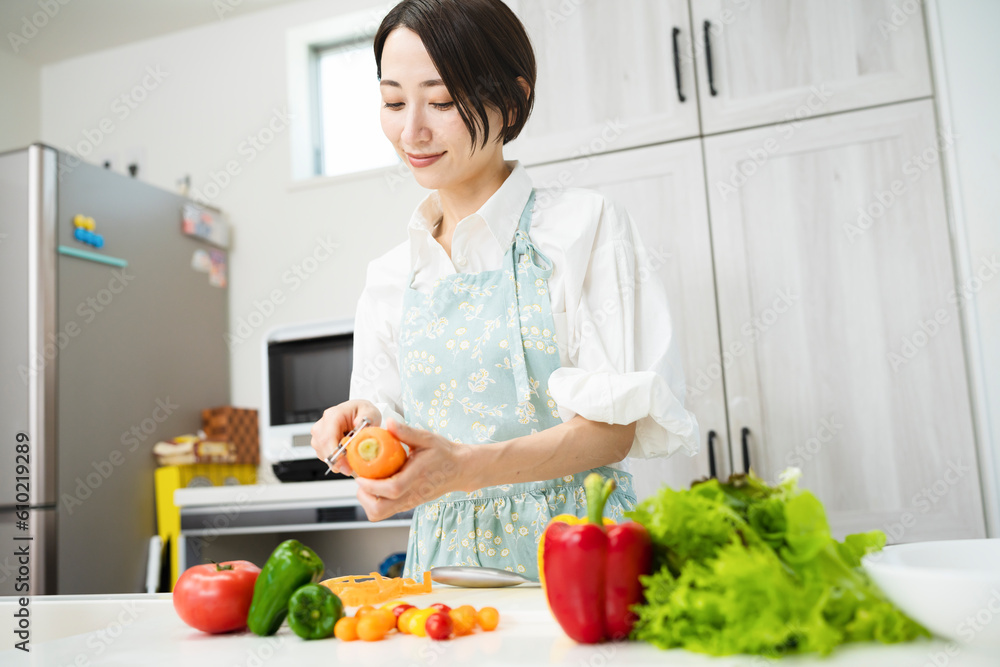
{"x":217,"y":274}
{"x":205,"y":224}
{"x":200,"y":261}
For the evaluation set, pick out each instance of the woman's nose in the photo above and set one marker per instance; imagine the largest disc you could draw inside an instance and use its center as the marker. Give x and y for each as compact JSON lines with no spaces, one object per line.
{"x":415,"y":130}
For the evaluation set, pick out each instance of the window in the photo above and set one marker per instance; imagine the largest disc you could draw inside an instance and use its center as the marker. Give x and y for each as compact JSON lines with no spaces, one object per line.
{"x":348,"y":137}
{"x":334,"y":99}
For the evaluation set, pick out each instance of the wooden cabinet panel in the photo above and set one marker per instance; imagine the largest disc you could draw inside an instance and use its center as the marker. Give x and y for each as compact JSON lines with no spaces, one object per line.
{"x":778,"y":60}
{"x":606,"y":77}
{"x":662,"y":187}
{"x":837,"y":301}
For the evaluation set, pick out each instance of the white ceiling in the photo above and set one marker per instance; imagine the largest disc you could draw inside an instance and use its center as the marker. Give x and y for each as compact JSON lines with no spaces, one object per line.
{"x":84,"y":26}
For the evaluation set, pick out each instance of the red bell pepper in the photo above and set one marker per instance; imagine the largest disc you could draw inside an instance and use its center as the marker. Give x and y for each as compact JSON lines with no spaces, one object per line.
{"x":591,"y":571}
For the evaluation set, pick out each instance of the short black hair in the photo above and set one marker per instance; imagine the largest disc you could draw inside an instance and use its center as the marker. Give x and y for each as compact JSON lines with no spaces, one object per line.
{"x":479,"y":47}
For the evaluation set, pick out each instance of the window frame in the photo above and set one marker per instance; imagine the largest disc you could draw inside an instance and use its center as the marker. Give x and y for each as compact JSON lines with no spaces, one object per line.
{"x":305,"y":44}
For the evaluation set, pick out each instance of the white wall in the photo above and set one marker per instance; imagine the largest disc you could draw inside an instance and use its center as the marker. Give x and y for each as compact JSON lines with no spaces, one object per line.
{"x":223,"y":81}
{"x":971,"y":60}
{"x":19,"y":102}
{"x":219,"y":84}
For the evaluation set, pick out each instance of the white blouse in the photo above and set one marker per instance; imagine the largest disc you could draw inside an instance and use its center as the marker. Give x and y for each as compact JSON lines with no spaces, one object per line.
{"x":619,"y":358}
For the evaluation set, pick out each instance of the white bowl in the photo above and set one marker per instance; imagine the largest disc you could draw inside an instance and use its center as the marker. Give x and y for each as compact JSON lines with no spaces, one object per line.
{"x":951,"y":587}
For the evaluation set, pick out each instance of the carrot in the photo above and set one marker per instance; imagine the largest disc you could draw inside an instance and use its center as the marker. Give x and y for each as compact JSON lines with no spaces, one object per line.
{"x":375,"y":453}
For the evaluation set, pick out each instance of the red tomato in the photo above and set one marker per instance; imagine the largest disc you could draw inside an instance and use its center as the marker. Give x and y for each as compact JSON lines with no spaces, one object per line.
{"x":439,"y":625}
{"x":400,"y":608}
{"x":216,"y":598}
{"x":441,"y":606}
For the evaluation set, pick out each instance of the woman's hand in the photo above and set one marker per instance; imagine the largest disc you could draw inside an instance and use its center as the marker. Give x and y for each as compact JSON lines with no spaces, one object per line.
{"x":434,"y":466}
{"x":336,"y":422}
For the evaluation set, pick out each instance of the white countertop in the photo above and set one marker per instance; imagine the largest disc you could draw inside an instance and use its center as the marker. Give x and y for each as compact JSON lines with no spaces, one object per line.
{"x":242,"y":494}
{"x":144,"y":630}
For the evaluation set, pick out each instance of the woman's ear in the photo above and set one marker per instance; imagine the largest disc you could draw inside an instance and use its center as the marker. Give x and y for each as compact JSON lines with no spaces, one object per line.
{"x":526,"y":89}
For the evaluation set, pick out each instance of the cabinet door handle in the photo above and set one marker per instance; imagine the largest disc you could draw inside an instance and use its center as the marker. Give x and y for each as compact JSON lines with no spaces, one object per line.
{"x":677,"y":67}
{"x":745,"y":444}
{"x":708,"y":58}
{"x":712,"y":470}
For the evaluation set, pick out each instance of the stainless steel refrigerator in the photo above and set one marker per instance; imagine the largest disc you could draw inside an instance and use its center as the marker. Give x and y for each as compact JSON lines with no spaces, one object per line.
{"x":111,"y":338}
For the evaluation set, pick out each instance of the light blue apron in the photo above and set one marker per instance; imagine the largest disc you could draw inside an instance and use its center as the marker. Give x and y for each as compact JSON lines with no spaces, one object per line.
{"x":475,"y":357}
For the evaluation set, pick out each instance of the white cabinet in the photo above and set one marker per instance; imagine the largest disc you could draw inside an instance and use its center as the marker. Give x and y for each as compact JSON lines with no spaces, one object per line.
{"x":779,"y":60}
{"x":607,"y":76}
{"x":814,"y":296}
{"x":663,"y":189}
{"x":835,"y":279}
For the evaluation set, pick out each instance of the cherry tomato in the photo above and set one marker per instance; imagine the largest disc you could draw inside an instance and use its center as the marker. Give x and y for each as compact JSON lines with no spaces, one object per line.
{"x":441,"y":606}
{"x":403,"y":622}
{"x":346,"y":629}
{"x":400,"y":608}
{"x":488,"y":617}
{"x":386,"y":618}
{"x":463,"y":620}
{"x":214,"y":597}
{"x":417,"y":622}
{"x":439,"y":625}
{"x":371,"y":628}
{"x":363,"y":609}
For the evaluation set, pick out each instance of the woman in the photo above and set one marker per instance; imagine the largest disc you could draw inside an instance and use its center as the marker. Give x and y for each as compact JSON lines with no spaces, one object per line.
{"x":510,"y":342}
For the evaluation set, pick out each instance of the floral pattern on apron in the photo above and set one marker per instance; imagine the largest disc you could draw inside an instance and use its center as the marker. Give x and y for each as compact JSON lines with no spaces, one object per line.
{"x":475,"y":355}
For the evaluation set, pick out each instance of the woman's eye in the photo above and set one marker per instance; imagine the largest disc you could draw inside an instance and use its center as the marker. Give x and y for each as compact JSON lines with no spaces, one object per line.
{"x":393,"y":105}
{"x":442,"y":105}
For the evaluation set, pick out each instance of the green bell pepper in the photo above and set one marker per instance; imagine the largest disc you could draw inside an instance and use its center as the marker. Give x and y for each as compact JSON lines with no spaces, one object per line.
{"x":313,"y":611}
{"x":291,"y":566}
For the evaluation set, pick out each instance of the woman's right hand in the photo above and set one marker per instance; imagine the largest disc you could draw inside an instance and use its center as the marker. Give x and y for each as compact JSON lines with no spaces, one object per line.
{"x":336,"y":423}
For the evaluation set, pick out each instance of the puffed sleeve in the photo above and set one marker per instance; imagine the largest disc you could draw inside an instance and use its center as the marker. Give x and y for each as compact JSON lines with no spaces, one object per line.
{"x":375,"y":375}
{"x":625,"y":365}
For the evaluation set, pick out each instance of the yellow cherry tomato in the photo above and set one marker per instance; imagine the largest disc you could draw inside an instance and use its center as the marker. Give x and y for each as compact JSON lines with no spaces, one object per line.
{"x":393,"y":604}
{"x":403,"y":622}
{"x":418,"y":623}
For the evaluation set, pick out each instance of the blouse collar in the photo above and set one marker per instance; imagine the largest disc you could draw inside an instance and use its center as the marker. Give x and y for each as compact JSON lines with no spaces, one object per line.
{"x":501,"y":212}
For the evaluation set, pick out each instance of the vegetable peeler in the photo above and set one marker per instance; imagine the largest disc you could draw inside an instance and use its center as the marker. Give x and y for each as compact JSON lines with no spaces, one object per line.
{"x":345,"y":441}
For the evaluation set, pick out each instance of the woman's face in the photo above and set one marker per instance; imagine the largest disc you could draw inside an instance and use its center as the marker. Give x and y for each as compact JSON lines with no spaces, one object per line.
{"x":421,"y":120}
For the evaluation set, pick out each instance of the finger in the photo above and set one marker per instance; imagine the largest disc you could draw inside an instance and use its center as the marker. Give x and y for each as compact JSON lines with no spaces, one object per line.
{"x":376,"y":508}
{"x":389,"y":488}
{"x":412,"y":437}
{"x":343,"y":467}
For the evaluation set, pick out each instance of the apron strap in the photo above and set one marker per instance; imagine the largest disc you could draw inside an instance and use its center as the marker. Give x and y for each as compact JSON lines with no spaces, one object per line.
{"x":523,"y":252}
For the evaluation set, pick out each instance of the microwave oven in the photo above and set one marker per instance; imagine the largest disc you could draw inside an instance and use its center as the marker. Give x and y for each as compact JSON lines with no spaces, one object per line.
{"x":306,"y":369}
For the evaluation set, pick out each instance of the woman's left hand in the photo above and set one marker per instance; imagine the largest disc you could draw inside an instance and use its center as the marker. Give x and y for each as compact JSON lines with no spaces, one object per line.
{"x":434,"y":466}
